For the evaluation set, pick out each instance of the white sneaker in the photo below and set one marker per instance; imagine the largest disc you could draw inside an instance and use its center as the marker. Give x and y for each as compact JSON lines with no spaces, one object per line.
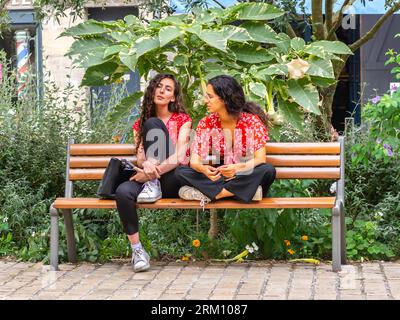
{"x":258,"y":195}
{"x":140,"y":260}
{"x":151,"y":192}
{"x":190,"y":193}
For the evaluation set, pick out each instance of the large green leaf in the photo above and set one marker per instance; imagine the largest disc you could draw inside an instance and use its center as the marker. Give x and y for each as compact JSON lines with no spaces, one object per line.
{"x":129,"y":58}
{"x":304,"y":94}
{"x":322,"y":82}
{"x":87,"y":28}
{"x":123,"y":108}
{"x":237,"y":34}
{"x":258,"y":89}
{"x":250,"y":53}
{"x":214,"y":39}
{"x":292,"y":113}
{"x":297,"y":44}
{"x":132,"y":20}
{"x":317,"y":51}
{"x":320,"y":68}
{"x":145,"y":44}
{"x":274,"y":69}
{"x":100,"y":75}
{"x":168,"y":33}
{"x":126,"y":36}
{"x":260,"y":32}
{"x":113,"y":50}
{"x":89,"y":52}
{"x":259,"y":11}
{"x":284,"y":43}
{"x":336,"y":47}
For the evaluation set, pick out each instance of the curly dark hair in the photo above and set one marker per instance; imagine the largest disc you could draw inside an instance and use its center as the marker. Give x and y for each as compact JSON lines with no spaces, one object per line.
{"x":148,"y":106}
{"x":231,"y":92}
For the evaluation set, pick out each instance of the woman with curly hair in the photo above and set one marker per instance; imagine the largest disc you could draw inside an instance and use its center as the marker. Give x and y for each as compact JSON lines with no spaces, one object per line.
{"x":161,"y":138}
{"x":235,"y":134}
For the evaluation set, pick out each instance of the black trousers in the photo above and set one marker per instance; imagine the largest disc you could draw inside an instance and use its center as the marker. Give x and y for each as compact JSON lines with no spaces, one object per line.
{"x":243,"y":186}
{"x":127,"y":192}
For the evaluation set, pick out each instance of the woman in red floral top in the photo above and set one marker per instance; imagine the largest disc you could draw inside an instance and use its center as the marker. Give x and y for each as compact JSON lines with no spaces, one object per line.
{"x":161,"y":138}
{"x":234,"y":134}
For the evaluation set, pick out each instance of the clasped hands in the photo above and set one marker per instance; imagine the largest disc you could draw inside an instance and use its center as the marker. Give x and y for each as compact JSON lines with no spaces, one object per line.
{"x":227,"y":170}
{"x":150,"y":171}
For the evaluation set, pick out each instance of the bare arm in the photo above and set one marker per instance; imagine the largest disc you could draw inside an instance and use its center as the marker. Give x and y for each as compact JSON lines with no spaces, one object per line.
{"x":181,"y":147}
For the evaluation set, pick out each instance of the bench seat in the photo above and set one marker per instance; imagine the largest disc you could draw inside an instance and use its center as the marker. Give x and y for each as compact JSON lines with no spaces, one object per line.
{"x":266,"y":203}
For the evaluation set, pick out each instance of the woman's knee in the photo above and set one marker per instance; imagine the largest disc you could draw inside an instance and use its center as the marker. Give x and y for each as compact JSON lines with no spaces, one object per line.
{"x":126,"y":191}
{"x":180,"y":172}
{"x":267,"y":169}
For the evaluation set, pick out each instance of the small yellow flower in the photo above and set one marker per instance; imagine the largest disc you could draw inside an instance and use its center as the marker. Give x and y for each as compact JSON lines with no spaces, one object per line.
{"x":185,"y":258}
{"x":287,"y":242}
{"x":196,"y":243}
{"x":291,"y":251}
{"x":304,"y":238}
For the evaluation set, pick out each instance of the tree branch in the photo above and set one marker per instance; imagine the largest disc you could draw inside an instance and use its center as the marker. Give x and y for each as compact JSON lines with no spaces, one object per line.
{"x":220,"y":4}
{"x":317,"y":20}
{"x":3,"y":4}
{"x":338,"y":18}
{"x":328,"y":14}
{"x":290,"y":32}
{"x":370,"y":34}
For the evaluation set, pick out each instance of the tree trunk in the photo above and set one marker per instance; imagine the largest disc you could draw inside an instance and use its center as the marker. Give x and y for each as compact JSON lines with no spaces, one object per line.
{"x":213,"y":232}
{"x":324,"y":122}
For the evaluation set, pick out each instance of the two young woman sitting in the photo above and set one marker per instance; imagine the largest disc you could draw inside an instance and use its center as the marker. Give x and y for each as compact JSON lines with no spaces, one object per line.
{"x":235,"y":133}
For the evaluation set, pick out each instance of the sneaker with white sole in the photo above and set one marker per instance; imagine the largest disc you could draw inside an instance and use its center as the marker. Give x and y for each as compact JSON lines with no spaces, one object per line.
{"x":140,"y":260}
{"x":151,"y":192}
{"x":258,"y":195}
{"x":190,"y":193}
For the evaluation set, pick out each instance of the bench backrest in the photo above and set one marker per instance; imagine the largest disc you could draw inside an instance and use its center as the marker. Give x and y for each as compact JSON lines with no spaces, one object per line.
{"x":292,"y":160}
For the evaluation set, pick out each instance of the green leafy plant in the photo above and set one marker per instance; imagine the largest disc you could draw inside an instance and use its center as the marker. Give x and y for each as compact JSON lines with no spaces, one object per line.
{"x":280,"y":73}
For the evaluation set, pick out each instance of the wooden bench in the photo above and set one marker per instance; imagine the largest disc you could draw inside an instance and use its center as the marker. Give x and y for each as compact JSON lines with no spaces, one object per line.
{"x":291,"y":160}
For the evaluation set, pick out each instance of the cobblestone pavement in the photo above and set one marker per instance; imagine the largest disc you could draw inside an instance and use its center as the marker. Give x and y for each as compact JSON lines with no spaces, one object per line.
{"x":246,"y":281}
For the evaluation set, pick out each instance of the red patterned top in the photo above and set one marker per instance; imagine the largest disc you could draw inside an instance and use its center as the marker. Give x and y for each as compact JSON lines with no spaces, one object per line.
{"x":250,"y":135}
{"x":174,"y":124}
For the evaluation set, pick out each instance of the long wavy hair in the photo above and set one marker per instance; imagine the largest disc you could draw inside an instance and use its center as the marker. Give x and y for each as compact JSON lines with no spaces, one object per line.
{"x":148,"y":106}
{"x":231,"y":92}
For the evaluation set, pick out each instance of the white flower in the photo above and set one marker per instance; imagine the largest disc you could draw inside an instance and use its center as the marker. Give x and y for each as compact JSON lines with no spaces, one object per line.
{"x":106,"y":78}
{"x":380,"y":213}
{"x":332,"y":189}
{"x":255,"y":246}
{"x":249,"y":249}
{"x":5,"y":219}
{"x":297,"y":68}
{"x":33,"y":233}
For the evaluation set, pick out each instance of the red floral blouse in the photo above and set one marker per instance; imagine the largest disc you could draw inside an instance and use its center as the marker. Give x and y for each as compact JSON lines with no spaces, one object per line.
{"x":250,"y":135}
{"x":174,"y":124}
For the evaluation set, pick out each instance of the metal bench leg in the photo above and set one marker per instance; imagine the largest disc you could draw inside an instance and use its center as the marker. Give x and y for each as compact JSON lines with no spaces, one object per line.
{"x":343,"y":235}
{"x":69,"y":229}
{"x":336,"y":239}
{"x":53,"y":238}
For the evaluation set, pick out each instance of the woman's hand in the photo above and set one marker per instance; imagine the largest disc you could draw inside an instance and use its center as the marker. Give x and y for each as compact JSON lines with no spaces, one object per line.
{"x":140,"y":176}
{"x":151,"y":170}
{"x":228,"y":170}
{"x":210,"y":172}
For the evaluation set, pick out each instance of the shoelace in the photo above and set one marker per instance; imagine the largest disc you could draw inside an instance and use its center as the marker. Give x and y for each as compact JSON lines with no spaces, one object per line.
{"x":204,"y":200}
{"x":137,"y":253}
{"x":147,"y":187}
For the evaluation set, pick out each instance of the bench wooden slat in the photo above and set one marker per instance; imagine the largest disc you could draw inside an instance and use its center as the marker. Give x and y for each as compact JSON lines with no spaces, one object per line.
{"x":101,"y":149}
{"x":272,"y":148}
{"x":281,"y":173}
{"x":303,"y":148}
{"x":95,"y":203}
{"x":276,"y":160}
{"x":95,"y":161}
{"x":304,"y":160}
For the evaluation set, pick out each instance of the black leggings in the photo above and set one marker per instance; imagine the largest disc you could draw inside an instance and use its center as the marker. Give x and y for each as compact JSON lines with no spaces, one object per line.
{"x":127,"y":192}
{"x":243,"y":186}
